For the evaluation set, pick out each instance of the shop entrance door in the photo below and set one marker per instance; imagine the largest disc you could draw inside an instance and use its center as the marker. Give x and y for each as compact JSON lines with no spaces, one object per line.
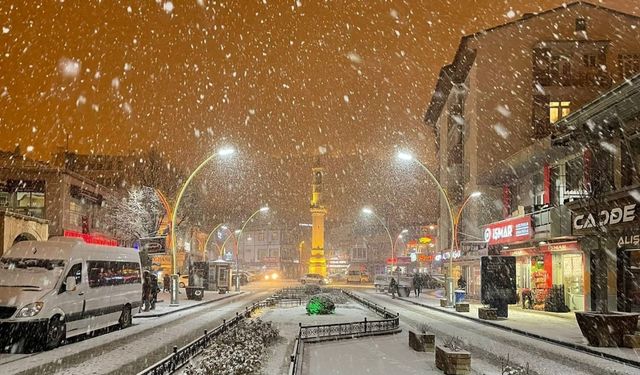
{"x":629,"y":280}
{"x":573,"y":281}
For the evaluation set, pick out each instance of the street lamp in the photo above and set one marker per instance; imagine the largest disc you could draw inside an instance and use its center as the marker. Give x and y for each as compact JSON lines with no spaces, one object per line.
{"x":475,"y":194}
{"x":238,"y":234}
{"x":368,"y":211}
{"x":209,"y":237}
{"x":409,"y":157}
{"x":223,"y":152}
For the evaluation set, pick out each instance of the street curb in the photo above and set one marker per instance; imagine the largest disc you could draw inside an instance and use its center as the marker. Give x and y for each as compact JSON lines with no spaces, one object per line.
{"x":573,"y":346}
{"x":187,"y":308}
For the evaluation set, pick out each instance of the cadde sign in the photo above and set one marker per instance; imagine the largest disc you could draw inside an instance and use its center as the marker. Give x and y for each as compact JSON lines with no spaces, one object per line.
{"x":606,"y":217}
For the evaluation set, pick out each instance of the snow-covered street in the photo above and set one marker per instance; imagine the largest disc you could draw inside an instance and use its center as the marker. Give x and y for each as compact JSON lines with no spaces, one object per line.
{"x":488,"y":344}
{"x":135,"y":348}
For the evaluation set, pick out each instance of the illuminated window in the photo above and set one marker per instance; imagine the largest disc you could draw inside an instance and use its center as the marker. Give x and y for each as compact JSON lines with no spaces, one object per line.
{"x":558,"y":110}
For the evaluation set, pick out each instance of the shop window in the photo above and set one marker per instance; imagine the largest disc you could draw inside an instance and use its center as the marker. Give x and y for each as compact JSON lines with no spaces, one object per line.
{"x":574,"y":172}
{"x":589,"y":60}
{"x":261,"y":236}
{"x":558,"y":110}
{"x":629,"y":65}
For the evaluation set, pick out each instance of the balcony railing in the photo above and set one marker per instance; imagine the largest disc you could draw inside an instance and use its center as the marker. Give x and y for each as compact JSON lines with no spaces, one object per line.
{"x":552,"y":222}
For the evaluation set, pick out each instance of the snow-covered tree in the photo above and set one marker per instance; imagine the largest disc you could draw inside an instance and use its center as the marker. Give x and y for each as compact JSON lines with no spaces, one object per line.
{"x":135,"y":216}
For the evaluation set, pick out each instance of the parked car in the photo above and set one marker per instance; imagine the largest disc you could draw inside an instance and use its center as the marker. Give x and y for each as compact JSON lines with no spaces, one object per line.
{"x":183,"y":281}
{"x":337,"y":277}
{"x":314,"y":278}
{"x":245,"y":277}
{"x":356,"y":277}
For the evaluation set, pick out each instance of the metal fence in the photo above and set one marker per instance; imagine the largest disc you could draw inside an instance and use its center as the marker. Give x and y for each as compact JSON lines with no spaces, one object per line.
{"x":182,"y":356}
{"x":390,"y":322}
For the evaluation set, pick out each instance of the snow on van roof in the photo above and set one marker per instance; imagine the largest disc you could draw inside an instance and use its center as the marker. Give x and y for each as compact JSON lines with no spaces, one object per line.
{"x":57,"y":248}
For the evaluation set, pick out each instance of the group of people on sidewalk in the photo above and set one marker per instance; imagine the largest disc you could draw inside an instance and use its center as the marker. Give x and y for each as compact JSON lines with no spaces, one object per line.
{"x":418,"y":282}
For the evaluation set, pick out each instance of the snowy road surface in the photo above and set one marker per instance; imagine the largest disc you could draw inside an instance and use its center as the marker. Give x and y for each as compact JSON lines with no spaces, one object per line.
{"x":489,"y":344}
{"x":133,"y":349}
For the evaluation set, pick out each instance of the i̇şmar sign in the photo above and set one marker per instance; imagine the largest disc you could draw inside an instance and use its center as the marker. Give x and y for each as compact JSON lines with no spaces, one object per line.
{"x":509,"y":231}
{"x":498,"y":282}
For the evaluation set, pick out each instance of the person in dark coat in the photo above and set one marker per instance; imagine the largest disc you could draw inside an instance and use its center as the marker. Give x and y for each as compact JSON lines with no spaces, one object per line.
{"x":166,"y":283}
{"x":417,"y":284}
{"x":393,"y":286}
{"x":154,"y":291}
{"x":462,"y":283}
{"x":146,"y":290}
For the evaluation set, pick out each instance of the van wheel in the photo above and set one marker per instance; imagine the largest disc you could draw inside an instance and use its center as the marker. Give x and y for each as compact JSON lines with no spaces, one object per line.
{"x":56,"y":331}
{"x":125,"y":317}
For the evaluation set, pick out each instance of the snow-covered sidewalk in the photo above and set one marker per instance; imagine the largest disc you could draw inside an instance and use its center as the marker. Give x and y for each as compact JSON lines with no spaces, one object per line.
{"x":163,"y":308}
{"x":561,"y":327}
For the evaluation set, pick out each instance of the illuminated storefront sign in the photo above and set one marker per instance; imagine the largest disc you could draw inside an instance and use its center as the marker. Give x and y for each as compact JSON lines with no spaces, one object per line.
{"x":445,"y":256}
{"x":509,"y":231}
{"x":88,"y":238}
{"x":399,"y":260}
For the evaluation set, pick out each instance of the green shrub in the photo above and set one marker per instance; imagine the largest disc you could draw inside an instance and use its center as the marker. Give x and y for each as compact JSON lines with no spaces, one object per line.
{"x":320,"y":305}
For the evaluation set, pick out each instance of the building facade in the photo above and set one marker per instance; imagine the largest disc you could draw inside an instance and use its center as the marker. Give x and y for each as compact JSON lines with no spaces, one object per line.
{"x":72,"y":204}
{"x":494,"y":122}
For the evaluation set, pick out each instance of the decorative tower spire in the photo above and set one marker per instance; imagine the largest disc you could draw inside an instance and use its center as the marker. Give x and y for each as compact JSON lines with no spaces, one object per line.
{"x":317,"y":262}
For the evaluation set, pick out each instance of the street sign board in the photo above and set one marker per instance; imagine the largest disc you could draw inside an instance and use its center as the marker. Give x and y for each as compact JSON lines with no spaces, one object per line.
{"x":154,"y":245}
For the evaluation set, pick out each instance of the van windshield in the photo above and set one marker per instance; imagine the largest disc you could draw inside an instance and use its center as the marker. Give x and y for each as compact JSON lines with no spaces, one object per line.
{"x":48,"y":264}
{"x":30,"y":273}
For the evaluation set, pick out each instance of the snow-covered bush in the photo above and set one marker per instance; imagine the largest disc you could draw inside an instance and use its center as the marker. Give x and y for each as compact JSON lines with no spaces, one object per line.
{"x":320,"y":305}
{"x":237,"y":351}
{"x":335,"y":297}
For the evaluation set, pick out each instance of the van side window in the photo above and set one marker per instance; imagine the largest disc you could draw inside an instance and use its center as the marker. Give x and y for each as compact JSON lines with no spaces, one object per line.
{"x":109,"y":273}
{"x":76,"y":271}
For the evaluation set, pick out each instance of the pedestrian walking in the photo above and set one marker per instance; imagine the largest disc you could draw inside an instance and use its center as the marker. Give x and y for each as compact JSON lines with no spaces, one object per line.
{"x":417,"y":285}
{"x":154,"y":291}
{"x":166,"y":283}
{"x":462,"y":283}
{"x":146,"y":290}
{"x":393,"y":285}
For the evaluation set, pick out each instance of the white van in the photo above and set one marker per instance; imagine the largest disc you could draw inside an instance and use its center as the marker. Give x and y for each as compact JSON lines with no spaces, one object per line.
{"x":52,"y":290}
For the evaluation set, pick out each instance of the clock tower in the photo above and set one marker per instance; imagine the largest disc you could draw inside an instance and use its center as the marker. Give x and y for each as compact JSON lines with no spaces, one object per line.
{"x":317,"y":262}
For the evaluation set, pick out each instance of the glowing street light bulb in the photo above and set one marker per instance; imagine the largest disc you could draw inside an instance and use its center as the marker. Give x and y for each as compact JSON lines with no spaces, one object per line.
{"x":264,"y":209}
{"x":226,"y":151}
{"x":367,"y":211}
{"x":405,"y":156}
{"x":476,"y":194}
{"x":404,"y":231}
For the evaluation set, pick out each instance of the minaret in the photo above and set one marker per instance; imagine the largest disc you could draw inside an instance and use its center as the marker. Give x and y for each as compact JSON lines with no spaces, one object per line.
{"x":317,"y":262}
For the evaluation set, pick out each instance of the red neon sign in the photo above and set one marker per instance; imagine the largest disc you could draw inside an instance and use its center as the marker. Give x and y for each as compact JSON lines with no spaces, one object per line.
{"x":88,"y":238}
{"x":509,"y":231}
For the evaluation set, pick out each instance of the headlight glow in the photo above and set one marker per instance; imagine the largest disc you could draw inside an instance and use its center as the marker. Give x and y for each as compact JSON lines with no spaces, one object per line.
{"x":274,"y":276}
{"x":30,"y":310}
{"x":266,"y":277}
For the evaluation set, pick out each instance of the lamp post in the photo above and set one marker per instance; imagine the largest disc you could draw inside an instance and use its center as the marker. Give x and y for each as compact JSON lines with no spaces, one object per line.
{"x":395,"y":244}
{"x":174,"y":257}
{"x":209,"y":237}
{"x":262,"y":209}
{"x":368,"y":211}
{"x":409,"y":157}
{"x":456,"y":222}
